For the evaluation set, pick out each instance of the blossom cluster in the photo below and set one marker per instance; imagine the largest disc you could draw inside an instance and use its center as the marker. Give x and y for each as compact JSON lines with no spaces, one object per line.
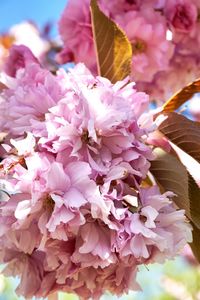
{"x":27,"y":34}
{"x":165,"y":38}
{"x":76,"y":213}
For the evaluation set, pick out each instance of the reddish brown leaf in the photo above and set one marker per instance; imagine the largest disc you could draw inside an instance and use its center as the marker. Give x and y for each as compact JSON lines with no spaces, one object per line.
{"x":171,"y":175}
{"x":182,"y":96}
{"x":183,"y":133}
{"x":184,"y":138}
{"x":114,"y":51}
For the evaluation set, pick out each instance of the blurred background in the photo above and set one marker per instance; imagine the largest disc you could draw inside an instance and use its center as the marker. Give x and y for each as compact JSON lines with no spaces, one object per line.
{"x":175,"y":280}
{"x":40,"y":12}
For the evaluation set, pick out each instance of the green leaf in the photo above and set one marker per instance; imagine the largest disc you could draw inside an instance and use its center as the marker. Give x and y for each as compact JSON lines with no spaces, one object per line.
{"x":182,"y":96}
{"x":114,"y":51}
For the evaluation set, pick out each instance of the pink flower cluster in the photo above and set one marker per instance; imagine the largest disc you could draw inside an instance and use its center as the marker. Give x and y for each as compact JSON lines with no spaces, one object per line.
{"x":75,"y":213}
{"x":165,"y":38}
{"x":27,"y":34}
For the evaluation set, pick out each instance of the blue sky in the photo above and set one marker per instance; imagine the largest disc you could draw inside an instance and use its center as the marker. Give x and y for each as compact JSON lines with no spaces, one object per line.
{"x":40,"y":11}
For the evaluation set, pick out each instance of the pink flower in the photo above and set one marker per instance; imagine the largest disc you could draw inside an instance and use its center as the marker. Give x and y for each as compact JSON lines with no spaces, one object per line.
{"x":33,"y":278}
{"x":155,"y":227}
{"x":74,"y":216}
{"x":76,"y":33}
{"x":165,"y":83}
{"x":58,"y":205}
{"x":93,"y":247}
{"x":161,"y":32}
{"x":24,"y":34}
{"x":97,"y":121}
{"x":19,"y":57}
{"x":182,"y":14}
{"x":22,"y":106}
{"x":115,"y":7}
{"x":151,"y":50}
{"x":28,"y":34}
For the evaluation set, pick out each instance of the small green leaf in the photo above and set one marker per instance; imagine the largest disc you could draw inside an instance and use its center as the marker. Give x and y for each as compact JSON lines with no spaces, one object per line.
{"x":182,"y":96}
{"x":114,"y":51}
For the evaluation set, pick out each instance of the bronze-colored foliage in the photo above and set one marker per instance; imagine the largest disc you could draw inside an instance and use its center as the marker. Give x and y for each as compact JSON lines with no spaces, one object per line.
{"x":171,"y":175}
{"x":182,"y":96}
{"x":180,"y":172}
{"x":113,"y":49}
{"x":184,"y":138}
{"x":182,"y":132}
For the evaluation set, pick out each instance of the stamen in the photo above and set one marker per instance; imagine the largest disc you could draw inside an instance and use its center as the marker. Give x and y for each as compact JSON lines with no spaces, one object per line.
{"x":138,"y":47}
{"x":48,"y":203}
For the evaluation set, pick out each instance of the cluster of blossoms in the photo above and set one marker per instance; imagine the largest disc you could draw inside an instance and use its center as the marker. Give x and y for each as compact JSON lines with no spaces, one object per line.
{"x":27,"y":34}
{"x":165,"y":38}
{"x":76,"y":213}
